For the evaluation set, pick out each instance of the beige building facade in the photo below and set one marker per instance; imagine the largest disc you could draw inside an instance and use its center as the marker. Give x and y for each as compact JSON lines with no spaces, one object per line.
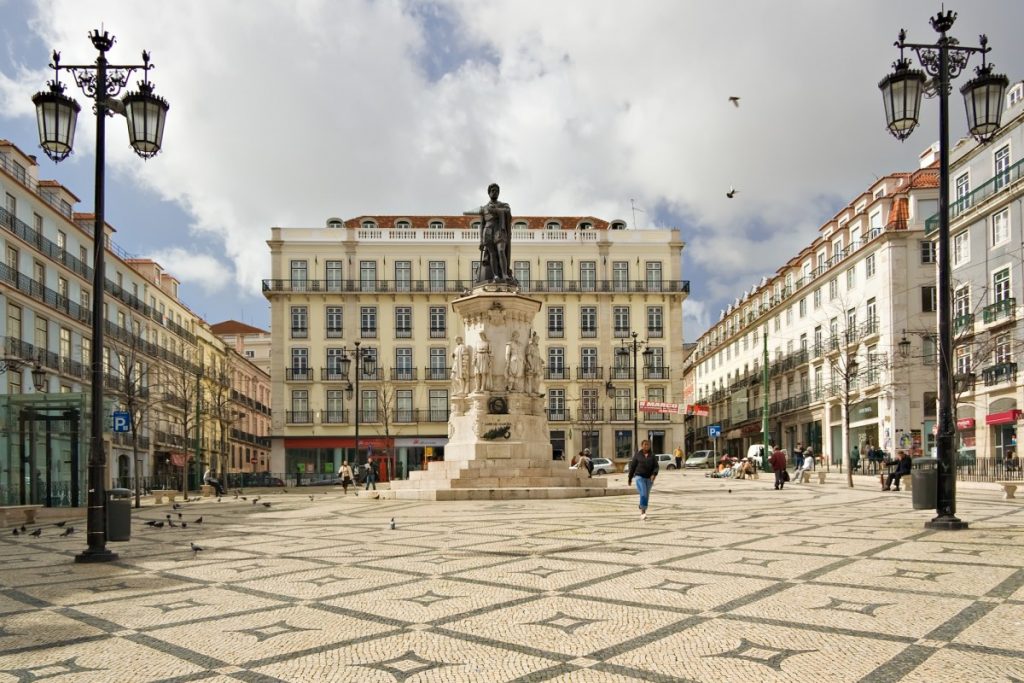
{"x":386,"y":283}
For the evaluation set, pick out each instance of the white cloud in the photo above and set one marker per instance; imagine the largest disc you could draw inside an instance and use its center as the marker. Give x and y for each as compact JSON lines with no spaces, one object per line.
{"x":202,"y":269}
{"x":285,"y":113}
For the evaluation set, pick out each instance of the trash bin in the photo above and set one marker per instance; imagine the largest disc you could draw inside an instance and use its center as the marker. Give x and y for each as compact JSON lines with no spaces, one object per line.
{"x":119,"y":514}
{"x":925,"y":476}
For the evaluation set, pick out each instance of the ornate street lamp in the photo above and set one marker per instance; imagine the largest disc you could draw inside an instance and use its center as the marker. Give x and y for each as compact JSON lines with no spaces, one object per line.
{"x":39,"y":377}
{"x":904,"y":346}
{"x":623,"y":352}
{"x":983,"y":97}
{"x":366,"y":365}
{"x":56,"y":115}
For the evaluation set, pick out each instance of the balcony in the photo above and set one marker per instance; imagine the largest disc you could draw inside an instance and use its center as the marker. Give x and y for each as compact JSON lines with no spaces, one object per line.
{"x":621,"y":414}
{"x":588,"y":415}
{"x":403,"y":374}
{"x":436,"y":374}
{"x":375,"y":375}
{"x":558,"y":373}
{"x":368,"y":332}
{"x":655,"y":332}
{"x":558,"y":414}
{"x":1004,"y":310}
{"x":406,"y":416}
{"x":588,"y":332}
{"x":335,"y":333}
{"x":333,"y":417}
{"x":963,"y":323}
{"x":403,"y":333}
{"x":307,"y":286}
{"x":585,"y":372}
{"x":438,"y":332}
{"x":300,"y":332}
{"x":298,"y":374}
{"x":435,"y":415}
{"x":616,"y":372}
{"x":870,"y":327}
{"x":999,"y":373}
{"x":656,"y":417}
{"x":656,"y":372}
{"x":332,"y":375}
{"x":964,"y":382}
{"x":298,"y":417}
{"x":978,"y":196}
{"x":556,"y":332}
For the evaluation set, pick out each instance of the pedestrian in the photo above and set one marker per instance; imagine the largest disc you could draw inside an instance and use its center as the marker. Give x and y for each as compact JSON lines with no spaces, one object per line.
{"x":210,"y":480}
{"x":588,"y":462}
{"x":346,"y":476}
{"x":778,"y":462}
{"x":798,"y":455}
{"x":371,"y":475}
{"x":678,"y":455}
{"x":806,"y":466}
{"x":644,"y":468}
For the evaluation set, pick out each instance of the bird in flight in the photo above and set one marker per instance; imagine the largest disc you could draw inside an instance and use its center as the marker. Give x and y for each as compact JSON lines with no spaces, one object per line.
{"x":731,"y":193}
{"x":735,"y":101}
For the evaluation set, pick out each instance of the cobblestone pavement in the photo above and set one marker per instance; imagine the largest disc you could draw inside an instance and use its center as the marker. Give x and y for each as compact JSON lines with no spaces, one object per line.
{"x":726,"y":581}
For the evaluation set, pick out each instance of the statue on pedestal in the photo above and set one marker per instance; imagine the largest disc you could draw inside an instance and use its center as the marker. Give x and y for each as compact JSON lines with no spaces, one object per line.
{"x":461,"y":370}
{"x":514,"y":364}
{"x":495,"y":239}
{"x":482,"y":365}
{"x":534,"y":365}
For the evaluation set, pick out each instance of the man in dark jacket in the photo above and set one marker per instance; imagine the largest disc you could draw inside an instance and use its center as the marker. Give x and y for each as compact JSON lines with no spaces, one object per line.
{"x":644,"y":468}
{"x":778,"y":462}
{"x":901,"y":468}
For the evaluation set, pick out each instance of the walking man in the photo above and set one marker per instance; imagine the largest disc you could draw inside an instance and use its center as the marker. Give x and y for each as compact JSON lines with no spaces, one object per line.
{"x":371,"y":475}
{"x":644,"y":468}
{"x":778,"y":462}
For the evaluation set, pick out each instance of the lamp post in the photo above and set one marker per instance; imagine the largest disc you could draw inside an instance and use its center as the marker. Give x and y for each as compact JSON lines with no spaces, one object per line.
{"x":364,"y":364}
{"x":943,"y":60}
{"x":623,"y":352}
{"x":56,"y":114}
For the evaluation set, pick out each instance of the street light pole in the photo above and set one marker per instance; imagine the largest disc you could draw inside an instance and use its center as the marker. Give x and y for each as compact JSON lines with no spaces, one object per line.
{"x":624,"y":351}
{"x":56,"y":114}
{"x":983,"y":96}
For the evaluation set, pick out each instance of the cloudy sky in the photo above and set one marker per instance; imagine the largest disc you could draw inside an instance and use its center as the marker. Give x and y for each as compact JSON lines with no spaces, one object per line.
{"x":287,"y":112}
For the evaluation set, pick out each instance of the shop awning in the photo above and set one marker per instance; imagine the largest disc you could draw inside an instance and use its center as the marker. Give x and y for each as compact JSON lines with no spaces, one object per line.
{"x":179,"y":459}
{"x":1005,"y":417}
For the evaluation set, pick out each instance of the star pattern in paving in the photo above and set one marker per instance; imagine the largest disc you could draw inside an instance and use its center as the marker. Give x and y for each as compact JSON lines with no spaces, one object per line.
{"x":767,"y":655}
{"x":681,"y":587}
{"x":66,"y":667}
{"x":187,"y":603}
{"x":868,"y":608}
{"x":429,"y":598}
{"x":279,"y":628}
{"x":406,"y":665}
{"x":903,"y":573}
{"x":542,"y":571}
{"x":565,"y":623}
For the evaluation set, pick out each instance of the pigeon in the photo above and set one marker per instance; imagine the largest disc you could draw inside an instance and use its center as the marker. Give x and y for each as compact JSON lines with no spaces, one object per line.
{"x":60,"y":523}
{"x":172,"y":524}
{"x":168,"y":517}
{"x":735,"y":101}
{"x":38,"y":532}
{"x":179,"y":515}
{"x":184,"y":525}
{"x":393,"y":524}
{"x":255,"y":500}
{"x":23,"y":529}
{"x":266,"y":505}
{"x":731,"y":193}
{"x":244,"y":498}
{"x":218,"y":499}
{"x":151,"y":522}
{"x":195,"y":548}
{"x":284,"y":490}
{"x":730,"y":490}
{"x":175,"y":506}
{"x":15,"y":532}
{"x":67,"y":532}
{"x":199,"y":521}
{"x":158,"y":525}
{"x":311,"y":499}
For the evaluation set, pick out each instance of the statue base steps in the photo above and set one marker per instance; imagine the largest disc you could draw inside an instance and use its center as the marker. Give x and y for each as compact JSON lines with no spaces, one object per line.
{"x":521,"y":493}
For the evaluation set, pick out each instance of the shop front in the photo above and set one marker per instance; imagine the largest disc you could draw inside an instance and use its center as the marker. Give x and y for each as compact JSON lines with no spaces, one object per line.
{"x":413,"y":453}
{"x":318,"y":458}
{"x":1002,"y":426}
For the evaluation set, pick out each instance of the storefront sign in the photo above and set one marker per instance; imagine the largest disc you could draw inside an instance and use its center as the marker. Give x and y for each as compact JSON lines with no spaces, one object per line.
{"x":698,"y":410}
{"x":965,"y":423}
{"x":179,"y":459}
{"x":1005,"y":417}
{"x":749,"y":430}
{"x":660,"y":407}
{"x":421,"y":441}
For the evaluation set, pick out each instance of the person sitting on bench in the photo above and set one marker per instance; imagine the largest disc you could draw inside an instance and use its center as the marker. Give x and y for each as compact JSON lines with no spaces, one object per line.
{"x":210,"y":480}
{"x":899,"y":468}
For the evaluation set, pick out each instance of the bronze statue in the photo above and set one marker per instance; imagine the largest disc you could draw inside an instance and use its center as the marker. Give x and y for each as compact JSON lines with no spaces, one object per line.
{"x":495,"y":239}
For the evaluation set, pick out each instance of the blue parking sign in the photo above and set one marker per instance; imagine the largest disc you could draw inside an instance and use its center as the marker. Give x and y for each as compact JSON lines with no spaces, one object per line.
{"x":122,"y":421}
{"x":714,"y":431}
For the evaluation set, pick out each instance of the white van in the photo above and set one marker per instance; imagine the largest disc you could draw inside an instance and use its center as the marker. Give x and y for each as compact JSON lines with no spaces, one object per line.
{"x":756,"y":454}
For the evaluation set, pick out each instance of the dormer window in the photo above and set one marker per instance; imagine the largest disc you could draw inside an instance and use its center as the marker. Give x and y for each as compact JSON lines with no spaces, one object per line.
{"x":520,"y":225}
{"x":436,"y":225}
{"x":617,"y":225}
{"x":335,"y":223}
{"x":475,"y":225}
{"x":553,"y":225}
{"x":369,"y":225}
{"x":586,"y":226}
{"x":403,"y":225}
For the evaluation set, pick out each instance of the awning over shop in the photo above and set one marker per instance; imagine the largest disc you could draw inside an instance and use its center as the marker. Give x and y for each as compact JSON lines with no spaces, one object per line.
{"x":179,"y":459}
{"x":1005,"y":417}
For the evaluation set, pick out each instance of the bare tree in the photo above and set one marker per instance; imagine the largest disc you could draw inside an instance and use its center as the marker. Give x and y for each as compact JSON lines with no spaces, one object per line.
{"x":386,"y":413}
{"x":185,"y":393}
{"x":220,"y":408}
{"x":135,"y":387}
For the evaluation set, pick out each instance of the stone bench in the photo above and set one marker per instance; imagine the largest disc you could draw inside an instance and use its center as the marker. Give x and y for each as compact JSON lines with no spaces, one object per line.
{"x":1009,"y":488}
{"x":207,"y":491}
{"x":27,"y":512}
{"x":158,"y":495}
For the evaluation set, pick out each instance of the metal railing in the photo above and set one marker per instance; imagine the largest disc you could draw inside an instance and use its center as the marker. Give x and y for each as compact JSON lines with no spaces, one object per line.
{"x":999,"y":373}
{"x":976,"y":197}
{"x":999,"y":310}
{"x":460,"y":286}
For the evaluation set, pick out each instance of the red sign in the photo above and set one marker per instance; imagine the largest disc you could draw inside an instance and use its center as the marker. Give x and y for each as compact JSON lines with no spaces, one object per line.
{"x":965,"y":423}
{"x":659,"y":407}
{"x":179,"y":459}
{"x":1005,"y":417}
{"x":698,"y":410}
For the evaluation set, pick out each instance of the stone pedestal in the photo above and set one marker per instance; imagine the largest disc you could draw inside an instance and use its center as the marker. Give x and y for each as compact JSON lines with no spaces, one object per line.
{"x":498,"y":440}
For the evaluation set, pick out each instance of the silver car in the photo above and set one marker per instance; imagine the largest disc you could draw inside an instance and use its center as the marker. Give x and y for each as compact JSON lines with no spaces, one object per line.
{"x":603,"y":466}
{"x":701,"y":459}
{"x":666,"y":460}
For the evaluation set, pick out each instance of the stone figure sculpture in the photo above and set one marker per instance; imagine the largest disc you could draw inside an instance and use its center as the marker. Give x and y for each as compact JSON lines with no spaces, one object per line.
{"x":495,"y":239}
{"x":534,"y":365}
{"x":482,"y":365}
{"x":514,"y":364}
{"x":461,"y":370}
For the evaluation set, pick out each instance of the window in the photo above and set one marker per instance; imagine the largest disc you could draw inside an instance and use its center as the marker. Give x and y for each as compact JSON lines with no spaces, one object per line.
{"x":335,"y":403}
{"x":789,"y":316}
{"x":556,"y":322}
{"x":438,"y":322}
{"x":14,"y":321}
{"x":521,"y":270}
{"x":929,"y":303}
{"x":368,"y":322}
{"x":588,"y":362}
{"x":620,"y":276}
{"x":1001,"y":163}
{"x":927,"y":251}
{"x":334,"y":276}
{"x":961,"y":248}
{"x":620,"y":316}
{"x":556,"y":362}
{"x":588,"y":321}
{"x":403,"y":275}
{"x":851,"y":324}
{"x":300,"y":320}
{"x":367,"y":276}
{"x":299,"y":275}
{"x":42,"y":340}
{"x":655,"y":321}
{"x":334,"y":322}
{"x":1001,"y":350}
{"x":963,"y":359}
{"x":334,"y":368}
{"x":64,"y":349}
{"x":588,"y":405}
{"x":656,"y":364}
{"x":653,"y":279}
{"x":300,"y":363}
{"x":438,"y":399}
{"x":869,"y":265}
{"x":963,"y":191}
{"x":403,"y":363}
{"x":833,"y":289}
{"x":1001,"y":285}
{"x":556,"y":405}
{"x":554,"y":276}
{"x":368,"y":405}
{"x":961,"y":301}
{"x":588,"y":275}
{"x":851,"y":279}
{"x":437,"y":270}
{"x":438,"y":369}
{"x":803,"y":307}
{"x":1001,"y":227}
{"x":12,"y":204}
{"x":403,"y":406}
{"x":403,"y":322}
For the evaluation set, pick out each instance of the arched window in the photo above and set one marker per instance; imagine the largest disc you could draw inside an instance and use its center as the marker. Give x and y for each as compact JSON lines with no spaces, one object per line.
{"x":436,"y":225}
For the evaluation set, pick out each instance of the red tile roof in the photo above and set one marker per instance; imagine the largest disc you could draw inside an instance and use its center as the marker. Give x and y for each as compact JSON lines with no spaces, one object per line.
{"x":235,"y":327}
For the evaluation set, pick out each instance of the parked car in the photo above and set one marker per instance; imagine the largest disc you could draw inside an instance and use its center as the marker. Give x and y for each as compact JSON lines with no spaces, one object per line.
{"x":603,"y":466}
{"x":666,"y":460}
{"x":701,"y":459}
